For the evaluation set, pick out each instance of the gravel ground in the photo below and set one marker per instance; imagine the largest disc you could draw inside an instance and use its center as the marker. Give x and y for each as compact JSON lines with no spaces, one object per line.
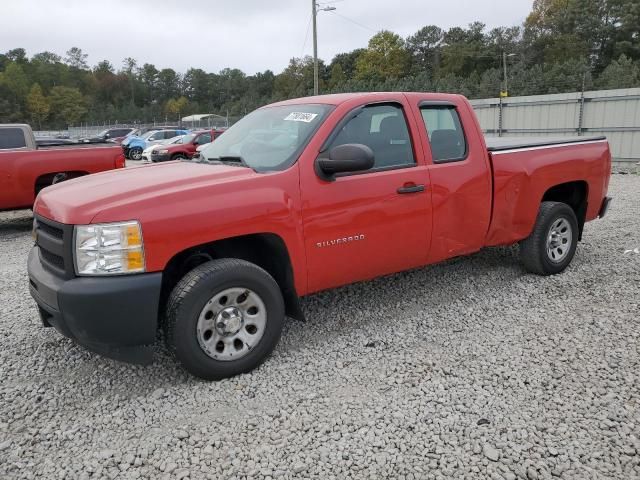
{"x":470,"y":369}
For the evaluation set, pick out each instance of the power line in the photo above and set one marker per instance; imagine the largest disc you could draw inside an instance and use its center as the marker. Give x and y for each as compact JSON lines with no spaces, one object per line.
{"x":306,"y":36}
{"x":352,"y":21}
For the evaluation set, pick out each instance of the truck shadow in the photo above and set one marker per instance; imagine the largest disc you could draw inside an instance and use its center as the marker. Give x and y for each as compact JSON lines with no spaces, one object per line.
{"x":16,"y":222}
{"x":363,"y":305}
{"x":343,"y":312}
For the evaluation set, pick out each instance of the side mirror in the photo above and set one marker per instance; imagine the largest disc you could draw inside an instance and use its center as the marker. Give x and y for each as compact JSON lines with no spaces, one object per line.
{"x":107,"y":135}
{"x":152,"y":139}
{"x":350,"y":157}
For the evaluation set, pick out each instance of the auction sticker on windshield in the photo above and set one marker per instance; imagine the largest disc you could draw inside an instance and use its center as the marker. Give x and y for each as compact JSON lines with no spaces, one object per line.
{"x":301,"y":117}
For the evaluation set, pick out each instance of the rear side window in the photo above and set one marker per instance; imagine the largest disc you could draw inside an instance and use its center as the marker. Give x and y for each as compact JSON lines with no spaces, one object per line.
{"x":204,"y":139}
{"x":446,"y":136}
{"x":11,"y":138}
{"x":383,"y":128}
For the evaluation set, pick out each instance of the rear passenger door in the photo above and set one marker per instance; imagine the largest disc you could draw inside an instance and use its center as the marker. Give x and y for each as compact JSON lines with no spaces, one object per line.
{"x":371,"y":223}
{"x":460,"y":177}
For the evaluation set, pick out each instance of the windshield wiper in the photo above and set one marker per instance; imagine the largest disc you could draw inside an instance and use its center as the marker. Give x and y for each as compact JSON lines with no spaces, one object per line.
{"x":229,"y":160}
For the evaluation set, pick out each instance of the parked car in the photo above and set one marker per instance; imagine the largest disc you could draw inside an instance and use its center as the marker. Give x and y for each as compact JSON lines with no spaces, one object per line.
{"x":26,"y":168}
{"x":110,"y":134}
{"x":146,"y":154}
{"x":134,"y":146}
{"x":185,"y":148}
{"x":53,"y":141}
{"x":297,"y":197}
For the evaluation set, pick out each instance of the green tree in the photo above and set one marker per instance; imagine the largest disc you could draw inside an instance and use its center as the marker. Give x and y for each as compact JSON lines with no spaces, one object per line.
{"x":37,"y":105}
{"x":337,"y":78}
{"x":175,"y":106}
{"x":76,"y":58}
{"x":347,"y":62}
{"x":621,"y":73}
{"x":424,"y":48}
{"x":168,"y":84}
{"x":15,"y":80}
{"x":67,"y":105}
{"x":385,"y":57}
{"x":297,"y":79}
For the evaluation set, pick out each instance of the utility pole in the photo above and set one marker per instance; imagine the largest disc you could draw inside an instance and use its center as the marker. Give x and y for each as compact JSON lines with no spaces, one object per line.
{"x":314,"y":14}
{"x":504,"y":64}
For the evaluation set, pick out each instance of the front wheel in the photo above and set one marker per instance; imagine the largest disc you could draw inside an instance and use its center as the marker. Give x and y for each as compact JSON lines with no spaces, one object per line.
{"x":552,"y":244}
{"x":135,"y":153}
{"x":224,"y":318}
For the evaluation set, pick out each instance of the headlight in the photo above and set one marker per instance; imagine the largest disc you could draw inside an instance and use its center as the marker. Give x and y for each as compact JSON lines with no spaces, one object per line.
{"x":108,"y":249}
{"x":162,"y":151}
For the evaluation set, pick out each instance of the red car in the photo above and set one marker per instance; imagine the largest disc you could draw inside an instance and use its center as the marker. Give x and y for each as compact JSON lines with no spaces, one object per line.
{"x":297,"y":197}
{"x":186,"y":148}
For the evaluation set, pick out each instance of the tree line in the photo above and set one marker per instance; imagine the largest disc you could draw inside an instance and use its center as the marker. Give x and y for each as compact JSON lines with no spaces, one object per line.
{"x":564,"y":45}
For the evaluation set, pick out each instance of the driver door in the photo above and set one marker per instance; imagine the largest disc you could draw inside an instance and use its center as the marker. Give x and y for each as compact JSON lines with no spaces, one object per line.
{"x":366,"y":224}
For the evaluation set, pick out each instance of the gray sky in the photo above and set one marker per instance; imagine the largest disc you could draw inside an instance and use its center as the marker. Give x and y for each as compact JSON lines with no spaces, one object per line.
{"x":253,"y":35}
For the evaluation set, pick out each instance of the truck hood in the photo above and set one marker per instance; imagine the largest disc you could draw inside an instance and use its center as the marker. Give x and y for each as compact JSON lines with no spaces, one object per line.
{"x":78,"y":201}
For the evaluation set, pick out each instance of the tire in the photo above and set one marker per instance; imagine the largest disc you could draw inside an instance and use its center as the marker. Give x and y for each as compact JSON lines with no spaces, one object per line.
{"x":195,"y":318}
{"x":178,"y":156}
{"x":59,"y":177}
{"x":552,"y":244}
{"x":135,"y":153}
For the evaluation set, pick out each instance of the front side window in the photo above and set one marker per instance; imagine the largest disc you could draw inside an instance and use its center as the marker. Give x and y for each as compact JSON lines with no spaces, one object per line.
{"x":269,"y":138}
{"x":11,"y":138}
{"x":382,"y":128}
{"x":445,"y":132}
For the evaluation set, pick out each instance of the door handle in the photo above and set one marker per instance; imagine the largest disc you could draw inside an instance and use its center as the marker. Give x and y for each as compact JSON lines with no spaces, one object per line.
{"x":411,"y":188}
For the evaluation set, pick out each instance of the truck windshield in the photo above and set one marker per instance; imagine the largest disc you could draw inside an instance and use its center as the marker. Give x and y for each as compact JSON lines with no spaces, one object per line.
{"x":270,"y":138}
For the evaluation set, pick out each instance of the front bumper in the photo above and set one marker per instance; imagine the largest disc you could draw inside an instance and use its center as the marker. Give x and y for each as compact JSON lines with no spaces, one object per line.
{"x":116,"y":317}
{"x":160,"y":157}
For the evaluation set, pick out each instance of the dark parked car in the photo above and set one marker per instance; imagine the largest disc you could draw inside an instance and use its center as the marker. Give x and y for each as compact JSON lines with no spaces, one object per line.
{"x":110,"y":134}
{"x":53,"y":141}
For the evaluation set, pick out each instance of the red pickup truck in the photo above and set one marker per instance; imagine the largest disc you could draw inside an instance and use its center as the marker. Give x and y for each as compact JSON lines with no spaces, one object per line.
{"x":186,"y":147}
{"x":297,"y":197}
{"x":25,"y":168}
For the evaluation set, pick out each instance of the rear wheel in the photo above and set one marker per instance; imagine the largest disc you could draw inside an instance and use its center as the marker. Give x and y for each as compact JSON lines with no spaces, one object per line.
{"x":224,"y":318}
{"x":552,"y":244}
{"x":135,"y":153}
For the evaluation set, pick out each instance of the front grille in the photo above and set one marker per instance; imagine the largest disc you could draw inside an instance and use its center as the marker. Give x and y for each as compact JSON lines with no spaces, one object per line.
{"x":54,"y":241}
{"x":50,"y":229}
{"x":53,"y":259}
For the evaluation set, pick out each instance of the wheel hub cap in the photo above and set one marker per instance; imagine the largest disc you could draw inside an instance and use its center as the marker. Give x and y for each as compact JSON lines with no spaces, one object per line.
{"x":229,"y":321}
{"x":559,"y":240}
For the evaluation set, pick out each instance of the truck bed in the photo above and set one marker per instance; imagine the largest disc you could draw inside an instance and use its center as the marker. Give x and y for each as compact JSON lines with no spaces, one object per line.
{"x":498,"y":144}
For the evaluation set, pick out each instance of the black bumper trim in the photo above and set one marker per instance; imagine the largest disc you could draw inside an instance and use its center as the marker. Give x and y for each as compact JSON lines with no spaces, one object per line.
{"x":116,"y":316}
{"x":157,"y":157}
{"x":604,"y":207}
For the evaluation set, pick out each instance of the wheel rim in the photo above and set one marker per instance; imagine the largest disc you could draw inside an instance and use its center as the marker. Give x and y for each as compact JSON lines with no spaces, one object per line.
{"x":136,"y":154}
{"x":231,"y":324}
{"x":559,"y":240}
